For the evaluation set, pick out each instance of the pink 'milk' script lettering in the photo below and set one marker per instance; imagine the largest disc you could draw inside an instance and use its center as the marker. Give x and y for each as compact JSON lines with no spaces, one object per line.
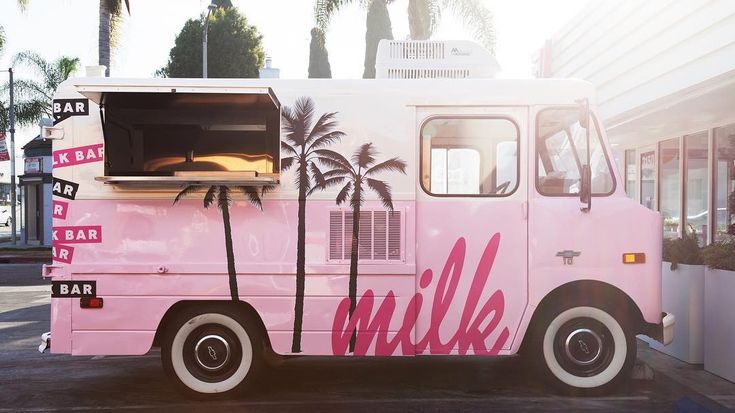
{"x":89,"y":234}
{"x":469,"y":333}
{"x":76,"y":156}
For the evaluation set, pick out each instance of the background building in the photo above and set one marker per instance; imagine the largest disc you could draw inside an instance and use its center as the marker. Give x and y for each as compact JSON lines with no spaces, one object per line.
{"x":665,"y":75}
{"x":36,"y":192}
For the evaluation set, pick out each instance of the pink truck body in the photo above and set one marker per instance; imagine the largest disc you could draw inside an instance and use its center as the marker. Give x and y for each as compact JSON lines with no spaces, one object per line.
{"x":457,"y":275}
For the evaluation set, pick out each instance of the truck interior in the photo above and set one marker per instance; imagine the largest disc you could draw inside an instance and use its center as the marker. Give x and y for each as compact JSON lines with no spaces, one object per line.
{"x":197,"y":137}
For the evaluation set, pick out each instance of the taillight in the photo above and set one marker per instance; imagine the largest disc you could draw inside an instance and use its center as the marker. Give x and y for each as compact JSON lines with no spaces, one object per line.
{"x":91,"y":302}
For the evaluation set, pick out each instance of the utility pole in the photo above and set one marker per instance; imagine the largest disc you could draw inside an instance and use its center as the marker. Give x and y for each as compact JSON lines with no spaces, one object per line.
{"x":13,"y":201}
{"x":205,"y":36}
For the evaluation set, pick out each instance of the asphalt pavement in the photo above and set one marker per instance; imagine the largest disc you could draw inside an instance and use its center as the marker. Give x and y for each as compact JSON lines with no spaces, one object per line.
{"x":30,"y":381}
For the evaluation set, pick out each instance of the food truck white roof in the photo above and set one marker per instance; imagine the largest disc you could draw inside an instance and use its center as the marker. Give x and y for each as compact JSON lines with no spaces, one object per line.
{"x":416,"y":92}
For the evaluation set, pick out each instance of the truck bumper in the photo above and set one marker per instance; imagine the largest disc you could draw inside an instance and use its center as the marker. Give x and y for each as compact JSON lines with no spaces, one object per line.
{"x":662,"y":332}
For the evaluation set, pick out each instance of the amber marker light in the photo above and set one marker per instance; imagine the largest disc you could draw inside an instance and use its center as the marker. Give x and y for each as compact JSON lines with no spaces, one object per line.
{"x":634,"y":258}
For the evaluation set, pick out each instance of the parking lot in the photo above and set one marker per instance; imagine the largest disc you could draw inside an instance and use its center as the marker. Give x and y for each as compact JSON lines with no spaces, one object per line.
{"x":30,"y":381}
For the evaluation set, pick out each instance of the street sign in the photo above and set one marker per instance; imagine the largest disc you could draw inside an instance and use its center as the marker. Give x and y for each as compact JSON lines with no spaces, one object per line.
{"x":4,"y":156}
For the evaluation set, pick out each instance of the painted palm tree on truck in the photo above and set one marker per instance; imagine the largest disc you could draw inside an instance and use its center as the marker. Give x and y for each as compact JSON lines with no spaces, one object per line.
{"x":302,"y":140}
{"x":223,"y":197}
{"x":358,"y":176}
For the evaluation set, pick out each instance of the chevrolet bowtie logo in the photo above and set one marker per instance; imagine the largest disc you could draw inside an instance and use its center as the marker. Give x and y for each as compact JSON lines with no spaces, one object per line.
{"x":568,"y":256}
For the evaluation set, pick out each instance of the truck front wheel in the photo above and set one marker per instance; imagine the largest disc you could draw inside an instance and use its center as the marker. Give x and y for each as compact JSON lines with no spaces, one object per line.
{"x":211,"y":351}
{"x":583,"y":349}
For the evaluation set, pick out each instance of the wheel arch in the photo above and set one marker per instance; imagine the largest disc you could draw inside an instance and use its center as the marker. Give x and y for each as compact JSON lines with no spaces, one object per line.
{"x":595,"y":292}
{"x":181,"y":305}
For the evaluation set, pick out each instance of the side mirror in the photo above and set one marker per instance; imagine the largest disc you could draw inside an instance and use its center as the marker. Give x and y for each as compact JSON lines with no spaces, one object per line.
{"x":585,"y":190}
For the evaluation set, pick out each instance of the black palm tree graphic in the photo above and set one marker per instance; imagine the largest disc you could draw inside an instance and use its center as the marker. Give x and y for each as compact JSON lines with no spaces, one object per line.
{"x":301,"y":141}
{"x":357,"y":177}
{"x":223,"y":195}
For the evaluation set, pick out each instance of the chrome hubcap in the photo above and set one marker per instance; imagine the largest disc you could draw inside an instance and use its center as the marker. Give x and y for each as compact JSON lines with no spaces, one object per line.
{"x":583,"y":346}
{"x":212,"y":352}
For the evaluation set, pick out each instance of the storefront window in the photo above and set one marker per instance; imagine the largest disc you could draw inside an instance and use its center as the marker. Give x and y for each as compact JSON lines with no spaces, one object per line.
{"x":630,"y":173}
{"x":669,"y":195}
{"x":648,"y":178}
{"x":697,"y":180}
{"x":725,"y":182}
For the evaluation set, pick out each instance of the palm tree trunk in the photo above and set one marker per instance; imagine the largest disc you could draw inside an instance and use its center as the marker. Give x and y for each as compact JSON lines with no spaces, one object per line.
{"x":353,"y":265}
{"x":419,"y":19}
{"x":378,"y":27}
{"x":103,"y":41}
{"x":232,"y":275}
{"x":300,"y":264}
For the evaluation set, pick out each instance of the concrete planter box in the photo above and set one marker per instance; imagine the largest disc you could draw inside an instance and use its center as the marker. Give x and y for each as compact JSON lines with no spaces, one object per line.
{"x":683,"y":295}
{"x":719,"y":324}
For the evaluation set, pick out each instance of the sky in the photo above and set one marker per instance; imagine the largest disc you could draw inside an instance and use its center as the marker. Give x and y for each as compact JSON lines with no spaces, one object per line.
{"x":55,"y":28}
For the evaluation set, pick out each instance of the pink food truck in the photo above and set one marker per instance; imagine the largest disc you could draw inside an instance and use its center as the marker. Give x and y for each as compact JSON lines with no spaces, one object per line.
{"x":227,"y":221}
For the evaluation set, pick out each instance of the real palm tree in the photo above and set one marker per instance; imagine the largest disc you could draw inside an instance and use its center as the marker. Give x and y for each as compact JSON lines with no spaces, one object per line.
{"x":110,"y":16}
{"x":358,"y":176}
{"x":302,"y":139}
{"x":377,"y":25}
{"x":223,"y":195}
{"x":424,"y":17}
{"x":34,"y":97}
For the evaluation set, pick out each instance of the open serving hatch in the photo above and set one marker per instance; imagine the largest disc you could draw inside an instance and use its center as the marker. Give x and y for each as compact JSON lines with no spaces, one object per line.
{"x":168,"y":137}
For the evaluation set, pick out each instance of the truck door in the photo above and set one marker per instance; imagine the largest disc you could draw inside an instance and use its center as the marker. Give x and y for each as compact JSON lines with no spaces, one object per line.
{"x":471,"y":206}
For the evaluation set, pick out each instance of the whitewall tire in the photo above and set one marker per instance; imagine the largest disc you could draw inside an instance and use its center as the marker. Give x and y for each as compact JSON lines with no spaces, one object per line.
{"x":583,"y":349}
{"x":211,"y":351}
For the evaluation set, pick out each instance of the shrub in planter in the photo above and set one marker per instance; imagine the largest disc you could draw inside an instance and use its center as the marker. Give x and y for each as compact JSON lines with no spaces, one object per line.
{"x":684,"y":250}
{"x":720,"y":255}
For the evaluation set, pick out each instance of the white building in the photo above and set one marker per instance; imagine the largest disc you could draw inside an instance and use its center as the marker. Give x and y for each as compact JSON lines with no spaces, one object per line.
{"x":665,"y":75}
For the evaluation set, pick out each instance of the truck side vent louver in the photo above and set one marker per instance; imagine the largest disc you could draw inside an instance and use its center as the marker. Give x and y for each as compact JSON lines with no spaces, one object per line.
{"x":380,"y":235}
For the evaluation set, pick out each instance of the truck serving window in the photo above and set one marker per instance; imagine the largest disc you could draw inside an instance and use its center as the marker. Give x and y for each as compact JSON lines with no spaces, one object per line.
{"x":182,"y":137}
{"x":467,"y":156}
{"x":561,"y":149}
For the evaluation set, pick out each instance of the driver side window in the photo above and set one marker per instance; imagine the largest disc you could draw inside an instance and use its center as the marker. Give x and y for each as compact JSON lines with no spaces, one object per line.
{"x":561,"y":146}
{"x":466,"y":156}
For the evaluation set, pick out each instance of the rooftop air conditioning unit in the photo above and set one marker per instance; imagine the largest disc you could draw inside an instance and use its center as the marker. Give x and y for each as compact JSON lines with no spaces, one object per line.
{"x":430,"y":59}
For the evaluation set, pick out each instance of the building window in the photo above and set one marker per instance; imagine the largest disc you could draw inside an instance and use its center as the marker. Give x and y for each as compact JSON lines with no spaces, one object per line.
{"x":697,"y":181}
{"x":669,"y":186}
{"x":630,"y":170}
{"x":469,"y":156}
{"x":724,"y":182}
{"x":561,"y":153}
{"x":648,"y":179}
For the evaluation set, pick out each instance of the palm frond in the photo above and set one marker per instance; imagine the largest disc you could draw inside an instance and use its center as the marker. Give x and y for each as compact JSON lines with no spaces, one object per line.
{"x":252,"y":195}
{"x":287,"y":163}
{"x":394,"y":164}
{"x":325,"y":9}
{"x":335,"y":158}
{"x":364,"y":156}
{"x":343,"y":193}
{"x":288,"y":149}
{"x":328,"y":183}
{"x":304,"y":111}
{"x":209,"y":196}
{"x":383,"y":190}
{"x":323,"y":126}
{"x":186,"y":192}
{"x":317,"y":175}
{"x":326,"y":140}
{"x":38,"y":64}
{"x":26,"y":113}
{"x":224,"y":200}
{"x":67,"y":66}
{"x":336,"y":172}
{"x":477,"y":18}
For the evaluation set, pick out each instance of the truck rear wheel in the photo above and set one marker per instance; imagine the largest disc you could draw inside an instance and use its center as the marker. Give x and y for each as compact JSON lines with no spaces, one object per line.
{"x":583,"y":349}
{"x":211,"y":351}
